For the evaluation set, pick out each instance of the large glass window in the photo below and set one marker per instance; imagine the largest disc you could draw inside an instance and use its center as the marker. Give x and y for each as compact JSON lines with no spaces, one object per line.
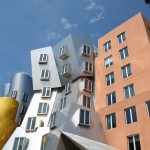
{"x":124,"y":53}
{"x":84,"y":117}
{"x":43,"y":58}
{"x":43,"y":108}
{"x":88,"y":85}
{"x":86,"y":50}
{"x":108,"y":61}
{"x":111,"y":121}
{"x":111,"y":98}
{"x":126,"y":71}
{"x":62,"y":103}
{"x":131,"y":115}
{"x":129,"y":91}
{"x":86,"y":101}
{"x":45,"y":74}
{"x":121,"y":37}
{"x":107,"y":46}
{"x":148,"y":108}
{"x":134,"y":142}
{"x":110,"y":79}
{"x":18,"y":143}
{"x":31,"y":123}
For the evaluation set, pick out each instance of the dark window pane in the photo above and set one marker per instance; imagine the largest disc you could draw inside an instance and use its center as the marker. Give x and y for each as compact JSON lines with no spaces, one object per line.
{"x":82,"y":116}
{"x":126,"y":92}
{"x":20,"y":144}
{"x":126,"y":51}
{"x":28,"y":123}
{"x":113,"y":120}
{"x":131,"y":144}
{"x":132,"y":90}
{"x":40,"y":108}
{"x":109,"y":99}
{"x":137,"y":142}
{"x":108,"y":122}
{"x":148,"y":108}
{"x":33,"y":123}
{"x":114,"y":97}
{"x":134,"y":117}
{"x":128,"y":117}
{"x":87,"y":117}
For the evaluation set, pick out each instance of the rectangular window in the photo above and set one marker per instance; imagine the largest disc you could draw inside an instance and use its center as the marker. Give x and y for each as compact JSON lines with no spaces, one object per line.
{"x":53,"y":120}
{"x":131,"y":115}
{"x":14,"y":94}
{"x":86,"y":101}
{"x":46,"y":92}
{"x":110,"y":79}
{"x":108,"y":61}
{"x":111,"y":98}
{"x":86,"y":50}
{"x":43,"y":143}
{"x":43,"y":108}
{"x":134,"y":142}
{"x":129,"y":91}
{"x":24,"y":109}
{"x":62,"y":103}
{"x":107,"y":46}
{"x":31,"y":124}
{"x":124,"y":53}
{"x":25,"y":97}
{"x":18,"y":143}
{"x":20,"y":120}
{"x":111,"y":121}
{"x":68,"y":87}
{"x":65,"y":70}
{"x":63,"y":53}
{"x":45,"y":74}
{"x":88,"y":67}
{"x":84,"y":117}
{"x":148,"y":108}
{"x":88,"y":85}
{"x":121,"y":37}
{"x":126,"y":71}
{"x":43,"y":58}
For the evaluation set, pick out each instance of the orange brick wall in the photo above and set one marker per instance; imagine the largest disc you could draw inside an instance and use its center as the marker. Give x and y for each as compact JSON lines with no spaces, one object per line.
{"x":138,"y":43}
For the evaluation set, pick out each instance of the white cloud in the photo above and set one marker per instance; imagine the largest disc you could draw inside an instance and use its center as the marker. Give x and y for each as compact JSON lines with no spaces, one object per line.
{"x":67,"y":24}
{"x":93,"y":5}
{"x":52,"y":35}
{"x":97,"y":18}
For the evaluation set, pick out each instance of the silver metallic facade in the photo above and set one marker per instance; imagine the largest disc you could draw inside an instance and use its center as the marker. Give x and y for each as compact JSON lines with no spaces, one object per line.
{"x":61,"y":115}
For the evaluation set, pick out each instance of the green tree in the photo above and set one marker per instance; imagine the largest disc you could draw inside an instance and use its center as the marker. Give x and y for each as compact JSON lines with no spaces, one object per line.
{"x":147,"y":2}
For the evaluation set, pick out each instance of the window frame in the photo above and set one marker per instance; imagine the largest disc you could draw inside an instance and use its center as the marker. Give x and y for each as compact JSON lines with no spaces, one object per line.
{"x":108,"y":59}
{"x":86,"y":101}
{"x":53,"y":120}
{"x":63,"y":53}
{"x":65,"y":70}
{"x":111,"y":121}
{"x":32,"y":123}
{"x":111,"y":98}
{"x":88,"y":67}
{"x":86,"y":50}
{"x":111,"y":78}
{"x":121,"y":37}
{"x":41,"y":59}
{"x":18,"y":143}
{"x":42,"y":105}
{"x":68,"y":88}
{"x":84,"y":117}
{"x":25,"y":97}
{"x":129,"y":91}
{"x":148,"y":108}
{"x":43,"y":142}
{"x":107,"y":46}
{"x":47,"y":90}
{"x":89,"y":85}
{"x":127,"y":72}
{"x":44,"y":77}
{"x":63,"y":103}
{"x":24,"y":109}
{"x":13,"y":94}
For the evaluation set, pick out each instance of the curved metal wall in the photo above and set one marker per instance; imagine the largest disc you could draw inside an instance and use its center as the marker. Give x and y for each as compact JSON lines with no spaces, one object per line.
{"x":8,"y":111}
{"x":5,"y":89}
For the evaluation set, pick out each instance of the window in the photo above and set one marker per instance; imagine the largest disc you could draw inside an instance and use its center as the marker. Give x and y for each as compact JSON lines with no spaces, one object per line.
{"x":14,"y":94}
{"x":107,"y":46}
{"x":53,"y":119}
{"x":134,"y":142}
{"x":25,"y":97}
{"x":24,"y":109}
{"x":126,"y":71}
{"x":149,"y":28}
{"x":131,"y":115}
{"x":111,"y":121}
{"x":43,"y":143}
{"x":148,"y":108}
{"x":108,"y":61}
{"x":45,"y":74}
{"x":31,"y":124}
{"x":86,"y":101}
{"x":43,"y":58}
{"x":121,"y":37}
{"x":110,"y":79}
{"x":65,"y":71}
{"x":20,"y":143}
{"x":63,"y":52}
{"x":129,"y":91}
{"x":88,"y":85}
{"x":46,"y":92}
{"x":111,"y":98}
{"x":84,"y":117}
{"x":20,"y":120}
{"x":43,"y":108}
{"x":68,"y":87}
{"x":88,"y":67}
{"x":62,"y":103}
{"x":124,"y":53}
{"x":86,"y":50}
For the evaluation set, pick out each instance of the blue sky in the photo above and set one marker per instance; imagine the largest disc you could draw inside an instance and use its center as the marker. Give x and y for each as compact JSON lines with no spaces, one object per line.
{"x":29,"y":24}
